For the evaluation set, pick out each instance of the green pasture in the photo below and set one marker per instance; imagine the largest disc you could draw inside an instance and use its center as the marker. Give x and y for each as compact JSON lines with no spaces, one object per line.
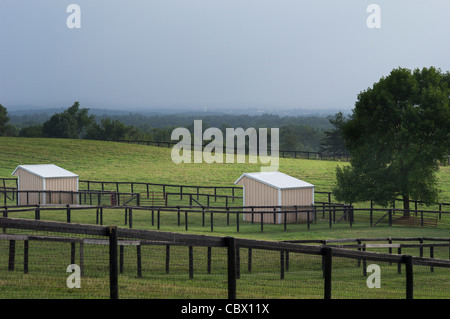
{"x":111,"y":161}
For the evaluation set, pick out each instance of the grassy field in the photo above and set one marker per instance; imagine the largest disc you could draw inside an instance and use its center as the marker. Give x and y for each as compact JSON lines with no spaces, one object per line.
{"x":110,"y":161}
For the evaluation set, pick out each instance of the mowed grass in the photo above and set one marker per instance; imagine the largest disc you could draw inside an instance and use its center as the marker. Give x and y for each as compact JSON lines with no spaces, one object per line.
{"x":111,"y":161}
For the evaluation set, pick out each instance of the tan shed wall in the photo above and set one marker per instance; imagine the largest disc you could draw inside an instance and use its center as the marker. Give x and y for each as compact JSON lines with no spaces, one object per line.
{"x":259,"y":194}
{"x":28,"y":181}
{"x":297,"y":197}
{"x":61,"y":184}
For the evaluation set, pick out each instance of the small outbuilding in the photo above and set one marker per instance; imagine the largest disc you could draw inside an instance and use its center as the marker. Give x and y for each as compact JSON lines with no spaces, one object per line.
{"x":45,"y":177}
{"x":276,"y":189}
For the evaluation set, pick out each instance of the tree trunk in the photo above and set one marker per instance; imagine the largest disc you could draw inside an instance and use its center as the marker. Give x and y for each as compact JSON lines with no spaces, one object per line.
{"x":405,"y":205}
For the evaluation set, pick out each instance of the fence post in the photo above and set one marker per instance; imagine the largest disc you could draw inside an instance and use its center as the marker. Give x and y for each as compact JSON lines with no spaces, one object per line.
{"x":191,"y":262}
{"x":25,"y":256}
{"x":121,"y":252}
{"x":130,"y":218}
{"x":231,"y":245}
{"x":351,"y":215}
{"x":327,"y":268}
{"x":371,"y":212}
{"x":158,"y":219}
{"x":212,"y":221}
{"x":307,"y":218}
{"x":139,"y":261}
{"x":358,"y":241}
{"x":167,"y":258}
{"x":68,"y":213}
{"x":12,"y":254}
{"x":72,"y":252}
{"x":409,"y":276}
{"x":431,"y":256}
{"x":249,"y":260}
{"x":208,"y":253}
{"x":421,"y":247}
{"x":329,"y":215}
{"x":113,"y":269}
{"x":390,"y":217}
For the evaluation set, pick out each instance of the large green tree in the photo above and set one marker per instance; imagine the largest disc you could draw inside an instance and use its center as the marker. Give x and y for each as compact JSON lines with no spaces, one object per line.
{"x":5,"y":128}
{"x":333,"y":143}
{"x":4,"y":118}
{"x":72,"y":123}
{"x":107,"y":130}
{"x":397,"y":134}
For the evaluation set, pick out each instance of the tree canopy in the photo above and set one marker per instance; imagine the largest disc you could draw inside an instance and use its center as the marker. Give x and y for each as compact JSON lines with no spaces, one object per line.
{"x":397,"y":133}
{"x":333,"y":143}
{"x":5,"y":128}
{"x":72,"y":123}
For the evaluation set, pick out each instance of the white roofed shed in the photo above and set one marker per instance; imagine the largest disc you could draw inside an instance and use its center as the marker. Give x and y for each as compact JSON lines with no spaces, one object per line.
{"x":45,"y":177}
{"x":276,"y":189}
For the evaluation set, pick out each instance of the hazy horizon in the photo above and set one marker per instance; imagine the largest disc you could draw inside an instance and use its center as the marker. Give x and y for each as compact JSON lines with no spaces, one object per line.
{"x":221,"y":55}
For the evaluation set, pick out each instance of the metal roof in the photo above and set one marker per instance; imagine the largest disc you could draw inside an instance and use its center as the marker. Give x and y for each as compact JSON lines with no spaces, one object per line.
{"x":277,"y":180}
{"x":46,"y":170}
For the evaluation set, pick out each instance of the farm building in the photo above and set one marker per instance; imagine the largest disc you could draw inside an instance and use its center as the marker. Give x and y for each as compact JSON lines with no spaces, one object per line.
{"x":276,"y":189}
{"x":45,"y":177}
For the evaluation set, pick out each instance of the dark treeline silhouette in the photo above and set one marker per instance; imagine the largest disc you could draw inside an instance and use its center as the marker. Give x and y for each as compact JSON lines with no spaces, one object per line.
{"x":297,"y":133}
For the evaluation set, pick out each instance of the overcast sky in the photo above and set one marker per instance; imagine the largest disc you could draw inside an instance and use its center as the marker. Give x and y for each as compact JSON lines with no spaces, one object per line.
{"x":279,"y":54}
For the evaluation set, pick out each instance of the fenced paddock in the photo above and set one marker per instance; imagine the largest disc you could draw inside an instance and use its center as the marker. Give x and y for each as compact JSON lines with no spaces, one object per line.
{"x":185,"y":218}
{"x":201,"y":196}
{"x":45,"y":197}
{"x":130,"y":263}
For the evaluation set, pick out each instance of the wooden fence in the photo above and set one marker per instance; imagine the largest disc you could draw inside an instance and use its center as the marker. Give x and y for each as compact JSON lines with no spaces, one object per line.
{"x":146,"y":188}
{"x":81,"y":197}
{"x":117,"y":238}
{"x":308,"y":215}
{"x":157,"y":198}
{"x":282,"y":153}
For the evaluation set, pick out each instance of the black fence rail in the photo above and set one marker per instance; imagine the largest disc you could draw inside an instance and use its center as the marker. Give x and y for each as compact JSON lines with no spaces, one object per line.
{"x":146,"y":189}
{"x":225,"y":264}
{"x":158,"y":194}
{"x":282,"y":153}
{"x":47,"y":197}
{"x":229,"y":194}
{"x":283,"y":217}
{"x":155,"y":213}
{"x":195,"y":197}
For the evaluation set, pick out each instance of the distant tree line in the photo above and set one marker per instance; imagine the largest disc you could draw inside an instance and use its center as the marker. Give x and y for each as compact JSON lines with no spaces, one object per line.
{"x":300,"y":133}
{"x":5,"y":128}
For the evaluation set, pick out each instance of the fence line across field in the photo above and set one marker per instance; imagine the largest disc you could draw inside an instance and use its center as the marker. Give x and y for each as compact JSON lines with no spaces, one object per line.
{"x":163,"y":198}
{"x":309,"y":214}
{"x":116,"y":238}
{"x":42,"y":197}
